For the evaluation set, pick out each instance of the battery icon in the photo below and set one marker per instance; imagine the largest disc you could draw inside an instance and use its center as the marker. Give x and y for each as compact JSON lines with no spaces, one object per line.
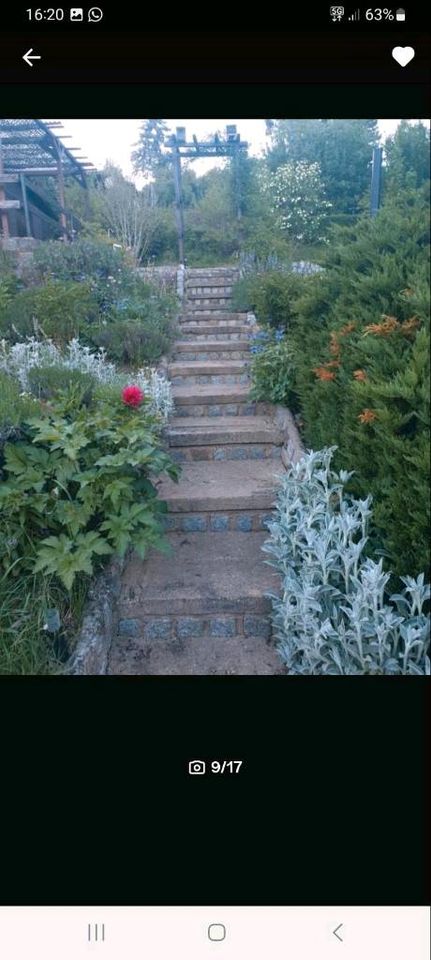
{"x":400,"y":14}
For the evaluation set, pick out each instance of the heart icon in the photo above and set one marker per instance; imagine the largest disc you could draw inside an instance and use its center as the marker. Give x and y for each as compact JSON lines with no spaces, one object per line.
{"x":403,"y":55}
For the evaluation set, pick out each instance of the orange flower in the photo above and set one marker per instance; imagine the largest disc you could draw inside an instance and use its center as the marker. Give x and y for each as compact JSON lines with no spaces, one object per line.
{"x":367,"y":416}
{"x":410,"y":325}
{"x":323,"y":374}
{"x":359,"y":375}
{"x":382,"y":329}
{"x":348,"y":327}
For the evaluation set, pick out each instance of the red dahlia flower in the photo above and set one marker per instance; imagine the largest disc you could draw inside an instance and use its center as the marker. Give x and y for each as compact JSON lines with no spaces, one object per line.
{"x":132,"y":396}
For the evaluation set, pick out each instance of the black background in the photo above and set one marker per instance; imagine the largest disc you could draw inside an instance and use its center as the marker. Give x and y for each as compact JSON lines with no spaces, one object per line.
{"x":214,"y":56}
{"x":329,"y":808}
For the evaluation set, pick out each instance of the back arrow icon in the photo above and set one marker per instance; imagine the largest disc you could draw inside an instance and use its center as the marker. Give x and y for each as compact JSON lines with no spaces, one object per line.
{"x":336,"y":934}
{"x":29,"y":56}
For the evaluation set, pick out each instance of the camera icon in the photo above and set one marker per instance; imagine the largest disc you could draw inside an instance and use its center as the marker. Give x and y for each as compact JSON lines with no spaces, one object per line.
{"x":197,"y":767}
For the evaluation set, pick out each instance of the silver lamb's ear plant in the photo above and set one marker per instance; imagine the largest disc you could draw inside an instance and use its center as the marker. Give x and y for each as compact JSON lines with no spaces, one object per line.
{"x":18,"y":360}
{"x":332,"y":616}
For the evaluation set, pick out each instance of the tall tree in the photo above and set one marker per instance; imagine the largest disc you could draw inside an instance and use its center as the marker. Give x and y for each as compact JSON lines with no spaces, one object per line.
{"x":342,"y":148}
{"x":407,"y":156}
{"x":149,"y":155}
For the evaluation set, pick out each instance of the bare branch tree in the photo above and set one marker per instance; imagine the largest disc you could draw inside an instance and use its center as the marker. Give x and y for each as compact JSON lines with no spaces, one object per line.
{"x":129,"y":214}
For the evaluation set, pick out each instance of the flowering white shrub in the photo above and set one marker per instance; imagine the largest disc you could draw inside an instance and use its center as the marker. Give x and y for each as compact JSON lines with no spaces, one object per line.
{"x":296,"y":194}
{"x":332,"y":616}
{"x":18,"y":359}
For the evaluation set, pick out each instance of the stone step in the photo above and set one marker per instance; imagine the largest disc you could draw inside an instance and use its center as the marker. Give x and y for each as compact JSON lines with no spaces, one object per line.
{"x":219,"y":273}
{"x":195,"y":372}
{"x":206,"y":332}
{"x":210,"y":486}
{"x":208,"y":292}
{"x":217,"y":277}
{"x":203,"y":430}
{"x":207,"y":310}
{"x":220,"y":319}
{"x":215,"y":283}
{"x":214,"y":400}
{"x":184,"y":351}
{"x":219,"y":297}
{"x":215,"y":288}
{"x":202,"y":610}
{"x":213,"y":329}
{"x":223,"y":438}
{"x":211,"y":346}
{"x":221,"y":496}
{"x":229,"y":451}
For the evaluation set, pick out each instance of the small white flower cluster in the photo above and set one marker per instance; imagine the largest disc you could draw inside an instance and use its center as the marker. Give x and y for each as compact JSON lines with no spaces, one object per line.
{"x":18,"y":360}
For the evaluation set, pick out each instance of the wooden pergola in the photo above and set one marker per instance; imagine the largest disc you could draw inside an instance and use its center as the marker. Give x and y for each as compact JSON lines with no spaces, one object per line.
{"x":230,"y":146}
{"x":33,"y":149}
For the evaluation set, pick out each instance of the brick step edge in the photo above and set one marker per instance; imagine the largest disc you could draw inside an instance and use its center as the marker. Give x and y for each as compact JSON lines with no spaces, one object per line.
{"x":224,"y":451}
{"x":241,"y":408}
{"x":217,"y":379}
{"x":218,"y":521}
{"x":200,"y":625}
{"x":201,"y":355}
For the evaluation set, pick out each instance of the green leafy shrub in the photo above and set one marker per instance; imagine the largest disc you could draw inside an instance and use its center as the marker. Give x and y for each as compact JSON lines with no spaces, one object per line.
{"x":272,"y":296}
{"x":52,"y":383}
{"x":75,"y":489}
{"x":79,"y":261}
{"x":273,"y":374}
{"x":361,"y":355}
{"x":57,"y":309}
{"x":103,"y":268}
{"x":140,"y":327}
{"x":133,"y":341}
{"x":333,"y":616}
{"x":14,"y":409}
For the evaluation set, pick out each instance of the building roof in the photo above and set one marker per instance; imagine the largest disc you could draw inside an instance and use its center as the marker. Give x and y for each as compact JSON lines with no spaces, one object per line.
{"x":36,"y":145}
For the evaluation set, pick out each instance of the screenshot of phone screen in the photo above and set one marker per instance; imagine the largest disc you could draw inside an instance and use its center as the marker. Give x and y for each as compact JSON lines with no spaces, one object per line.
{"x":214,"y":484}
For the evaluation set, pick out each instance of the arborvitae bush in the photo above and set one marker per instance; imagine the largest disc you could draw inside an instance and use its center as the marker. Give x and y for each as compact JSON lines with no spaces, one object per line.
{"x":361,"y":347}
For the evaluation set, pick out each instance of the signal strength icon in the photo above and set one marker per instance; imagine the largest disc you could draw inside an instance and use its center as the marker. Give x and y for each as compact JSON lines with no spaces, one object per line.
{"x":355,"y":16}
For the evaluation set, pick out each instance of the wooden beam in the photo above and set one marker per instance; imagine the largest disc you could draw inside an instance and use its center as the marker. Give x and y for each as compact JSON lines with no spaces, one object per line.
{"x":39,"y":171}
{"x":10,"y":204}
{"x":25,"y":205}
{"x":9,"y":178}
{"x":4,"y":216}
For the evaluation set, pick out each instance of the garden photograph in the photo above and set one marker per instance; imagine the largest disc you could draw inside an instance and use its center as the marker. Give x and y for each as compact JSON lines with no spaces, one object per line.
{"x":214,"y":397}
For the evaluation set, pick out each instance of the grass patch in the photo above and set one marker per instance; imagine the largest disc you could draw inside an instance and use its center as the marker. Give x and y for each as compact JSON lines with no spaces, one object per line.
{"x":25,"y":646}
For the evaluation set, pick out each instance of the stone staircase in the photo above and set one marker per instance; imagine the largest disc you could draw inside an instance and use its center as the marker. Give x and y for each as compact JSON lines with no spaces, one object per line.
{"x":202,"y":610}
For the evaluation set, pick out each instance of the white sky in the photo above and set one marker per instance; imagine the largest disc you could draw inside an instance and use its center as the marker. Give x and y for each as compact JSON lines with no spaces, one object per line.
{"x":102,"y":140}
